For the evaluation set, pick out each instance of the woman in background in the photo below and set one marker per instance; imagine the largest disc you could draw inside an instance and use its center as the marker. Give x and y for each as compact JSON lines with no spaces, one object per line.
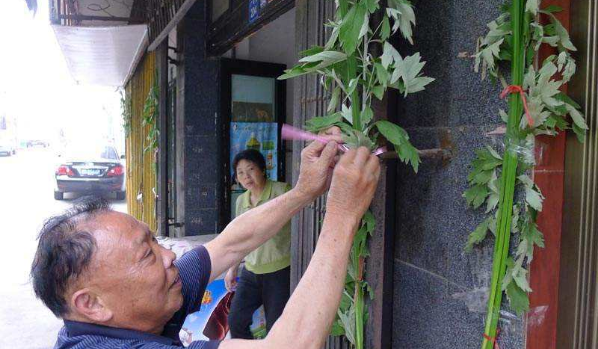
{"x":265,"y":279}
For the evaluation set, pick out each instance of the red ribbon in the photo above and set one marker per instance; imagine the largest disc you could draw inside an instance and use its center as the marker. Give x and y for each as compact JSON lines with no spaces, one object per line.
{"x":518,"y":89}
{"x":493,"y":340}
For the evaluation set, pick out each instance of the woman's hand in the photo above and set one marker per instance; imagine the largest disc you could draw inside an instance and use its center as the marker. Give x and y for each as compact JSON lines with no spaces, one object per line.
{"x":230,"y":279}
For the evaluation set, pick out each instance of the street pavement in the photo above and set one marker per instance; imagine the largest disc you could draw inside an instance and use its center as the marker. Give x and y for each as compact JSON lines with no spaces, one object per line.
{"x":26,"y":200}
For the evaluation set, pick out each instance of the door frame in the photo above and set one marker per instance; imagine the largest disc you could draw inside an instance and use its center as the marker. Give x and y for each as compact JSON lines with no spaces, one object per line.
{"x":228,"y":68}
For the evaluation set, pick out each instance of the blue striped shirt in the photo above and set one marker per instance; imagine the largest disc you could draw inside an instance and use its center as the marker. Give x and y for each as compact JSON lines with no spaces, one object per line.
{"x":194,"y":269}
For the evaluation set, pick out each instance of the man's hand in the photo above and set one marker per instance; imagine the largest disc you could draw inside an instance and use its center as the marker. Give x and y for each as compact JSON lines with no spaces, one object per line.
{"x":317,"y":163}
{"x":353,"y":185}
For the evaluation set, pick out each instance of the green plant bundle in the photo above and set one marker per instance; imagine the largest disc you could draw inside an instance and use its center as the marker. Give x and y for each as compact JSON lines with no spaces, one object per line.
{"x":515,"y":37}
{"x":125,"y":107}
{"x":149,"y":116}
{"x":354,"y":76}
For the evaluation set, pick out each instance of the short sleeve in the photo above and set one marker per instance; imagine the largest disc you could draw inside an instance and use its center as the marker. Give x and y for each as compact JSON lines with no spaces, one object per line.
{"x":238,"y":206}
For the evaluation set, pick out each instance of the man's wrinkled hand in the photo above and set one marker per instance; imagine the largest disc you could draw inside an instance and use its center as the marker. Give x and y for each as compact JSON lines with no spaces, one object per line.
{"x":317,"y":163}
{"x":353,"y":185}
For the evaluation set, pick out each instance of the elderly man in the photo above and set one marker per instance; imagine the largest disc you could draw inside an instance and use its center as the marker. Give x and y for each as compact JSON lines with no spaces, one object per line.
{"x":104,"y":273}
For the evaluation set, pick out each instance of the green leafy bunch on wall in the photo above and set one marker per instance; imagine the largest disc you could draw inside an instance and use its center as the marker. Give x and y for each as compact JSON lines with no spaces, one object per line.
{"x":353,"y":75}
{"x":499,"y":181}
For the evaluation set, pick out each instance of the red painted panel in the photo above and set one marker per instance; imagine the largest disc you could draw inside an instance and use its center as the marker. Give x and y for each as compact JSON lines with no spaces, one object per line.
{"x":545,"y":268}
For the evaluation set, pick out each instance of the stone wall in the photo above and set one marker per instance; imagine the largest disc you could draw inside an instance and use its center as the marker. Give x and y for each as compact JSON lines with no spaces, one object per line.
{"x":201,"y":89}
{"x":439,"y":290}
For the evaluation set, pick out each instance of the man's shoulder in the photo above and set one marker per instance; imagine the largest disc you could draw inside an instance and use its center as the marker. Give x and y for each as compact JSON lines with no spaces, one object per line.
{"x":65,"y":341}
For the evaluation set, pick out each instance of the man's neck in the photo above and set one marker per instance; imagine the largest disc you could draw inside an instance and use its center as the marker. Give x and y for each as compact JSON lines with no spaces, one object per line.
{"x":139,"y":326}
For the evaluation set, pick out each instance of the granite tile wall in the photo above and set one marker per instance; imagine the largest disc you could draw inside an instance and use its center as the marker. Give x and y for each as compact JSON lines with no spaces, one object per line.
{"x":202,"y":141}
{"x":439,"y":290}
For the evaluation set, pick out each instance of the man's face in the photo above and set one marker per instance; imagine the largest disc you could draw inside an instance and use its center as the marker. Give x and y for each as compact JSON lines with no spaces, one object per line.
{"x":132,"y":274}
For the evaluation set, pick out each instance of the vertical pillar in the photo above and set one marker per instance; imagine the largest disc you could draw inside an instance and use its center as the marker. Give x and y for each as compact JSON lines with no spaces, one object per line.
{"x":162,"y":65}
{"x":202,"y":164}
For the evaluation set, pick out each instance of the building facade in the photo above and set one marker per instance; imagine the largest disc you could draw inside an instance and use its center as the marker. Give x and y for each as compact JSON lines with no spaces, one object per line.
{"x":211,"y":65}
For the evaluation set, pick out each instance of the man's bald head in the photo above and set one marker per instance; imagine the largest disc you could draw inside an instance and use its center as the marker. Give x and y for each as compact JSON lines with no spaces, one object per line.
{"x":64,"y":252}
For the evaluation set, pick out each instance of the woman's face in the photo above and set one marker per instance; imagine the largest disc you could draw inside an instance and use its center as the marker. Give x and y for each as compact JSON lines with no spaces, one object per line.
{"x":249,"y":175}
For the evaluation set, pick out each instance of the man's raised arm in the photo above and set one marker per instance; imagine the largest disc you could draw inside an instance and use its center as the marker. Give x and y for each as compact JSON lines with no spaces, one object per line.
{"x":307,"y":317}
{"x":253,"y":228}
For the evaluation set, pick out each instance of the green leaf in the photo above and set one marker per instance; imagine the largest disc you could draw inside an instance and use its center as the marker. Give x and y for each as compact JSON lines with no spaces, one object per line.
{"x":561,"y":32}
{"x":352,"y":86}
{"x":326,"y":58}
{"x":399,"y":138}
{"x":311,"y":51}
{"x":333,"y":38}
{"x":322,"y":122}
{"x":347,"y":114}
{"x":367,"y":115}
{"x":378,"y":91}
{"x":491,"y":53}
{"x":385,"y":30}
{"x":337,"y":329}
{"x":520,"y":278}
{"x":476,"y":195}
{"x":577,"y":117}
{"x":351,"y":27}
{"x":381,"y":74}
{"x":370,"y":221}
{"x":532,"y":6}
{"x":533,"y":198}
{"x":408,"y":70}
{"x":348,"y":322}
{"x":503,"y":116}
{"x":580,"y":133}
{"x":517,"y":299}
{"x":406,"y":18}
{"x":334,"y":99}
{"x":372,"y":5}
{"x":389,"y":54}
{"x":478,"y":235}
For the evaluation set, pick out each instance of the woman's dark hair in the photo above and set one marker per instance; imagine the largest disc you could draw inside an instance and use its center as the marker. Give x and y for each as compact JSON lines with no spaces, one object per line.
{"x":250,"y":155}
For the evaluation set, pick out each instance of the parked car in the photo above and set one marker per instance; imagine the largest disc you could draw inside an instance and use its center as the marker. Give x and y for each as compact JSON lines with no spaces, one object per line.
{"x":96,"y":170}
{"x":7,"y":148}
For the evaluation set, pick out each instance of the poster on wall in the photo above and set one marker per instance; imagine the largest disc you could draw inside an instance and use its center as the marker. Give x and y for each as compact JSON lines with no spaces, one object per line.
{"x":255,"y":7}
{"x":211,"y":321}
{"x":262,"y":136}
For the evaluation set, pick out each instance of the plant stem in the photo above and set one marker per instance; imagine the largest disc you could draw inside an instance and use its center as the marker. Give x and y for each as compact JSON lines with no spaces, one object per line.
{"x":350,"y":75}
{"x":507,"y":180}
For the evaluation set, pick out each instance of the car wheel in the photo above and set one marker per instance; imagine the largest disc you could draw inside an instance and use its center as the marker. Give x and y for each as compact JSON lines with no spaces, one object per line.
{"x":58,"y":195}
{"x":121,"y":195}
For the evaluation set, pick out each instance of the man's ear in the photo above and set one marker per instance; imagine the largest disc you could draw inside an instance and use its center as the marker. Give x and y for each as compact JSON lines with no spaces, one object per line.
{"x":87,"y":304}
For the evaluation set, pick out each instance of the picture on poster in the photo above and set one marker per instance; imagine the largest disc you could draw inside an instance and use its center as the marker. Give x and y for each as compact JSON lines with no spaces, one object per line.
{"x":262,"y":136}
{"x":254,"y":10}
{"x":252,"y":112}
{"x":211,"y":323}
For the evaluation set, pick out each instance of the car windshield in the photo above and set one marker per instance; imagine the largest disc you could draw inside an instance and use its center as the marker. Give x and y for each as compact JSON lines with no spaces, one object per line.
{"x":108,"y":153}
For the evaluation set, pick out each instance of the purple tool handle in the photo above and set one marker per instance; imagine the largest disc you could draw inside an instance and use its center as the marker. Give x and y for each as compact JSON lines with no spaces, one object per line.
{"x":292,"y":133}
